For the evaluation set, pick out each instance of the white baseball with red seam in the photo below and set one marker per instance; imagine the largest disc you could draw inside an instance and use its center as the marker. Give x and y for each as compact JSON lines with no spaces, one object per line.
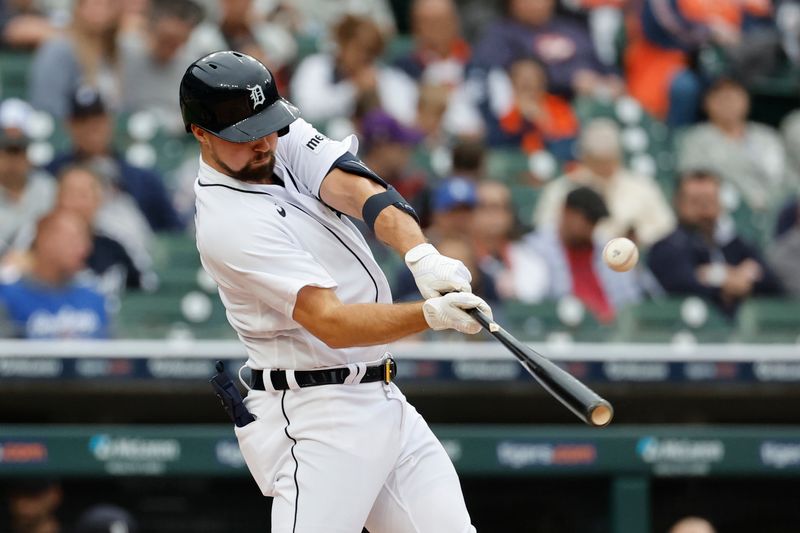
{"x":621,"y":254}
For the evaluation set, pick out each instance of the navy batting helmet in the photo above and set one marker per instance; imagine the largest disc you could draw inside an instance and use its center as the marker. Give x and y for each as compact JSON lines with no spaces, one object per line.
{"x":233,"y":96}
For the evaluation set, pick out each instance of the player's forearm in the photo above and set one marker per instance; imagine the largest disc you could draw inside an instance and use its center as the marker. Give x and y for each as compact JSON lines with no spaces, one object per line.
{"x":347,"y":193}
{"x":370,"y":324}
{"x":398,"y":230}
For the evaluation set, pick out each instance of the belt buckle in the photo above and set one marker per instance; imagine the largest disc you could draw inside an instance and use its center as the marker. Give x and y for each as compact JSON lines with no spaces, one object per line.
{"x":388,"y":366}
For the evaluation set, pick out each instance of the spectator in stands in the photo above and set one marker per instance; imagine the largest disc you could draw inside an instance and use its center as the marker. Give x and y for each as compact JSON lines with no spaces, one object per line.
{"x":32,"y":506}
{"x":156,"y":59}
{"x":532,"y":29}
{"x":665,"y":36}
{"x":91,"y":132}
{"x":106,"y":518}
{"x":328,"y":86}
{"x":637,"y":206}
{"x":784,"y":253}
{"x":469,"y":159}
{"x":704,"y":256}
{"x":605,"y":19}
{"x":388,"y":146}
{"x":437,"y":64}
{"x":458,"y":247}
{"x":86,"y":54}
{"x":573,"y":263}
{"x":453,"y":206}
{"x":239,"y":27}
{"x":81,"y":190}
{"x":24,"y":25}
{"x":496,"y":234}
{"x":787,"y":17}
{"x":790,"y":130}
{"x":25,"y":193}
{"x":440,"y":53}
{"x":47,"y":302}
{"x":692,"y":524}
{"x":532,"y":118}
{"x":748,"y":155}
{"x":314,"y":18}
{"x":788,"y":216}
{"x":432,"y":104}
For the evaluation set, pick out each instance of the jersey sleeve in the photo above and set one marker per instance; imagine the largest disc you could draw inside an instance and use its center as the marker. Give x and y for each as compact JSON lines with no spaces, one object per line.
{"x":308,"y":155}
{"x":268,"y":265}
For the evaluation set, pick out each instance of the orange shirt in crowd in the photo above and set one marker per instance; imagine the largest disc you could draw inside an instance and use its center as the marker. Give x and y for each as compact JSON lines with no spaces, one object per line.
{"x":555,"y":122}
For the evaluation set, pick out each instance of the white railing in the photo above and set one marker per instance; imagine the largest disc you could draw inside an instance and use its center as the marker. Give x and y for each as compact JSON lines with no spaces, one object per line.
{"x":446,"y":351}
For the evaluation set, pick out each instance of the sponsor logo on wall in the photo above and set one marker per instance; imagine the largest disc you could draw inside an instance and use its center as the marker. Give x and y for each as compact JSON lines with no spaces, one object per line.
{"x":542,"y":454}
{"x":18,"y":453}
{"x":229,"y":454}
{"x":780,"y":455}
{"x":678,"y":456}
{"x":14,"y":367}
{"x":133,"y":455}
{"x":486,"y":370}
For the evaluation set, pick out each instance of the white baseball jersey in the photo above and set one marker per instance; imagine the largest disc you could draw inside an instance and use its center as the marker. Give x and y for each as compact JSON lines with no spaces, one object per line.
{"x":263,"y":243}
{"x":346,"y":455}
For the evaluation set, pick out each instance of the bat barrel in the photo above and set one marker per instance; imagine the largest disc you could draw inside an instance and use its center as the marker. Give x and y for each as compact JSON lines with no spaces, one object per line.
{"x":577,"y":397}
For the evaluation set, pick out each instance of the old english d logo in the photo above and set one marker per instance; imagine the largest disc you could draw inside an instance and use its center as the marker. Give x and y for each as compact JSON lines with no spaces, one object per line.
{"x":256,"y":95}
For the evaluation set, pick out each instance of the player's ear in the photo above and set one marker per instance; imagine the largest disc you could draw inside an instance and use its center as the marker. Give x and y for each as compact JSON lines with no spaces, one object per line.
{"x":200,"y":134}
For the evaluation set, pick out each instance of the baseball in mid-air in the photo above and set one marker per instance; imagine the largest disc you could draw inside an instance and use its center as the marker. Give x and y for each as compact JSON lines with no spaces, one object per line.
{"x":621,"y":254}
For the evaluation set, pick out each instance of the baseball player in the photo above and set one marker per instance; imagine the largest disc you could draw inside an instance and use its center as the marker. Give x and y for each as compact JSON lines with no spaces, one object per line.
{"x":334,"y":441}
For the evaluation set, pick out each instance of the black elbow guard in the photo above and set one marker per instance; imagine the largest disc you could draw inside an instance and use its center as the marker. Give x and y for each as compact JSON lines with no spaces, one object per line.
{"x":378,"y":202}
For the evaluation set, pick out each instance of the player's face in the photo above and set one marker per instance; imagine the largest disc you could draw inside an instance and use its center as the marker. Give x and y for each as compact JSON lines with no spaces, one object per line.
{"x":250,"y":161}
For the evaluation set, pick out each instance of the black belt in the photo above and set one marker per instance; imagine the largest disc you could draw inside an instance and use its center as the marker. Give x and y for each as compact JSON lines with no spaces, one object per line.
{"x":384,"y":371}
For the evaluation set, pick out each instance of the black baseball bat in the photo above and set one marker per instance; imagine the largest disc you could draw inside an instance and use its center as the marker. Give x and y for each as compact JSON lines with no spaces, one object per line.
{"x":576,"y":396}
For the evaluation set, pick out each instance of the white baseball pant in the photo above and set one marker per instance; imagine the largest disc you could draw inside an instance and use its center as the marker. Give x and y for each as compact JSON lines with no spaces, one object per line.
{"x":337,"y":458}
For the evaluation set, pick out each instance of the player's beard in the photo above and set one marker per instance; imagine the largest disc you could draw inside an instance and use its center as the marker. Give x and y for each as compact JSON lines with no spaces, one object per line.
{"x":258,"y":170}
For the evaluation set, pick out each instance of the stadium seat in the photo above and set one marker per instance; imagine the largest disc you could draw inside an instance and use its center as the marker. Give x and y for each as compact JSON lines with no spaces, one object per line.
{"x":175,"y":249}
{"x":524,"y":198}
{"x":537,"y":322}
{"x":659,"y":321}
{"x":507,"y":165}
{"x":768,"y":320}
{"x":143,"y":315}
{"x":14,"y":73}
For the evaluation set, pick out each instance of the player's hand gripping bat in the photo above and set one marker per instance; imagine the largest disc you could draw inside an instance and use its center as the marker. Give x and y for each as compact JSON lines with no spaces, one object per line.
{"x":576,"y":396}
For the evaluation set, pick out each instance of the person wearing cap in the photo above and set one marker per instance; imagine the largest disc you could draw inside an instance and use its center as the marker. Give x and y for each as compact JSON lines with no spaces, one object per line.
{"x":388,"y":147}
{"x":574,"y":262}
{"x":106,"y":518}
{"x":91,"y":131}
{"x":334,"y":441}
{"x":452,"y":205}
{"x":26,"y":193}
{"x":747,"y":155}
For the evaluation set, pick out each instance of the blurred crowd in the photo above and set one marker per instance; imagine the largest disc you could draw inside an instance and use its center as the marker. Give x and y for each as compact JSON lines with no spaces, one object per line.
{"x":435,"y":90}
{"x":35,"y":505}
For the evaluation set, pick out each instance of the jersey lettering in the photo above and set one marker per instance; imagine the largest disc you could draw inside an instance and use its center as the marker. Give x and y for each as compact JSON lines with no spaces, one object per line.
{"x":315,"y":142}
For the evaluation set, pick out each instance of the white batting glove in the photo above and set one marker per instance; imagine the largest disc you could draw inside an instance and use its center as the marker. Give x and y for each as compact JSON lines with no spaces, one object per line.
{"x":436,"y":274}
{"x":447,"y":312}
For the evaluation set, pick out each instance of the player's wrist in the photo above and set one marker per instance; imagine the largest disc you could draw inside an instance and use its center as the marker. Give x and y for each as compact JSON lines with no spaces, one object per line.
{"x":415,"y":254}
